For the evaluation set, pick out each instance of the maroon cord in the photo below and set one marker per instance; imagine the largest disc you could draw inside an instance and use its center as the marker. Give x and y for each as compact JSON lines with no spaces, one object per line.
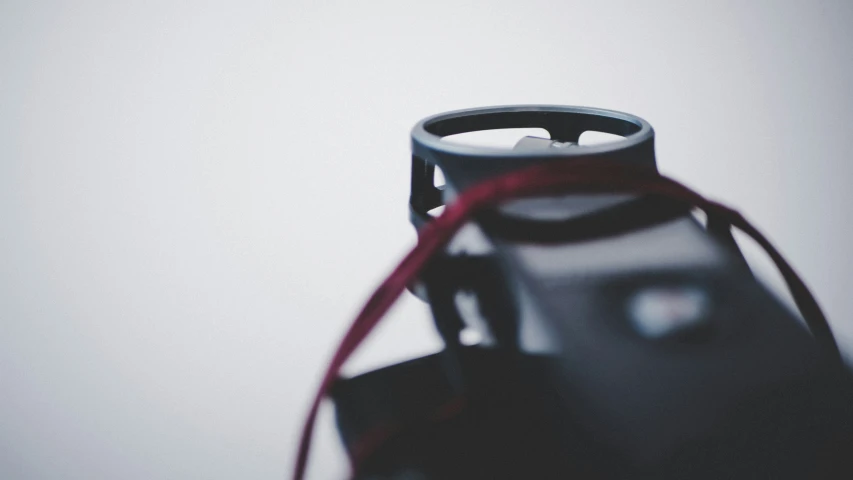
{"x":589,"y":176}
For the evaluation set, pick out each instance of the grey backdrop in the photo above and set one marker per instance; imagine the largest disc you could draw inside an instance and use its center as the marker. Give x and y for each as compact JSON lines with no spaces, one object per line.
{"x":195,"y":197}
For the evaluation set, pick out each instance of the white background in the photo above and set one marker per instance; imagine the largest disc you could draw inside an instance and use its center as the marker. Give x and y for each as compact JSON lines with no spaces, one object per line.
{"x":196,"y":197}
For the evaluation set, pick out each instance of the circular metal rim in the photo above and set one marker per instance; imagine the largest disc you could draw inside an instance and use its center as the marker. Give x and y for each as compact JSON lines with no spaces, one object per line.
{"x":420,"y":132}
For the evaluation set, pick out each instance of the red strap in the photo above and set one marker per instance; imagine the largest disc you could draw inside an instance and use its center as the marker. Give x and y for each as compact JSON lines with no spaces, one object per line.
{"x":589,"y":176}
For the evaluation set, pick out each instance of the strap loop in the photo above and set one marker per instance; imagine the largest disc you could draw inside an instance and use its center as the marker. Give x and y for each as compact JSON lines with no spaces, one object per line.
{"x":578,"y":175}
